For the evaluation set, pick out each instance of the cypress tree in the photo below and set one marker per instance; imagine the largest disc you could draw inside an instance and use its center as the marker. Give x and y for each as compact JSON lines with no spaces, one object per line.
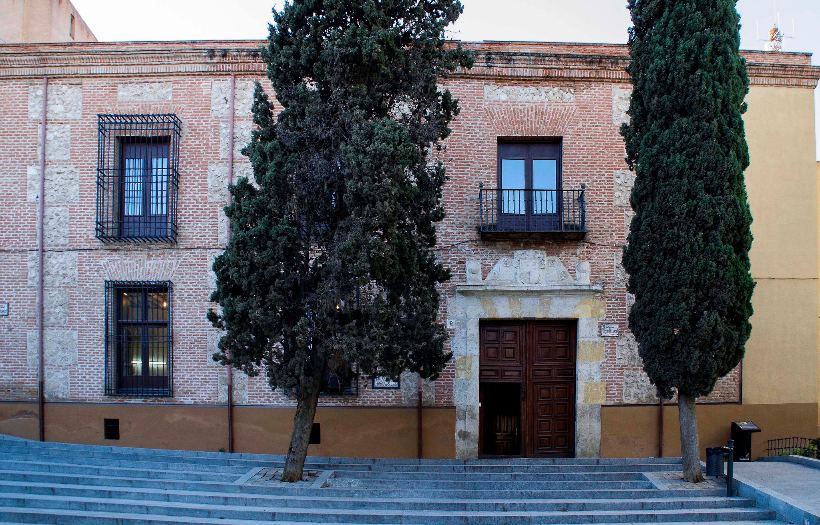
{"x":331,"y":264}
{"x":687,"y":252}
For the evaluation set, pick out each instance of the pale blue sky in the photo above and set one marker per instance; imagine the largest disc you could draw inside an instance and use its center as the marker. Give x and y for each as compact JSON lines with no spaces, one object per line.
{"x":539,"y":20}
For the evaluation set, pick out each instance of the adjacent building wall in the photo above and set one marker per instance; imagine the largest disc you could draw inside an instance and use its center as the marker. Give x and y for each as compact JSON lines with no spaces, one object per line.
{"x":42,"y":21}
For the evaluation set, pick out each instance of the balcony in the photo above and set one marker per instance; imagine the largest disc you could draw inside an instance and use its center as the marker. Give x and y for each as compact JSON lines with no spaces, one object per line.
{"x":532,"y":214}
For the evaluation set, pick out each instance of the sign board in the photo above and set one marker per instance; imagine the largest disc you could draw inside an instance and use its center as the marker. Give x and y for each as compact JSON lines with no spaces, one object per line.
{"x":384,"y":383}
{"x":747,"y":426}
{"x":609,"y":330}
{"x":4,"y":309}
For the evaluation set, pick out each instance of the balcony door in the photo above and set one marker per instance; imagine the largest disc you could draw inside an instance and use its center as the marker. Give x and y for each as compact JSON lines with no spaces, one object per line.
{"x":529,"y":179}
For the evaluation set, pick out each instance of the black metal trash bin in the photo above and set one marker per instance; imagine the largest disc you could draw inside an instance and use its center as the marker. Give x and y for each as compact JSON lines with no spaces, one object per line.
{"x":742,"y":435}
{"x":714,"y":461}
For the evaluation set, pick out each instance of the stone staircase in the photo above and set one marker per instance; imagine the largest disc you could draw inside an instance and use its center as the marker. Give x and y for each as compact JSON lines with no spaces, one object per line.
{"x":79,"y":484}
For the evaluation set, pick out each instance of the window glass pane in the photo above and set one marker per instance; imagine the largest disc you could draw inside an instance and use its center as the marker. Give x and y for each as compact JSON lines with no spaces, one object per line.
{"x":512,"y":186}
{"x":158,"y":351}
{"x":157,"y":306}
{"x":131,"y":305}
{"x":159,"y":185}
{"x":545,"y":186}
{"x":132,"y":351}
{"x":132,"y":187}
{"x":142,"y":335}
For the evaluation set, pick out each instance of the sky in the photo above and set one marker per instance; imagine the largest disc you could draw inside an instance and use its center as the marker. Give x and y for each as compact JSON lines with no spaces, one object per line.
{"x":532,"y":20}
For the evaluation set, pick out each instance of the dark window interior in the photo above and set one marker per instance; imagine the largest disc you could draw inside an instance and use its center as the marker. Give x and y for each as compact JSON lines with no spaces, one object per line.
{"x":144,"y":187}
{"x":339,"y":380}
{"x":501,"y":411}
{"x":139,"y":340}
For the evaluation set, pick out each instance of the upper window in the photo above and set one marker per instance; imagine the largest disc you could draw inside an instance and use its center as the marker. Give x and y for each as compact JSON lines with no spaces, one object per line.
{"x":138,"y":338}
{"x":530,"y":199}
{"x":137,"y":177}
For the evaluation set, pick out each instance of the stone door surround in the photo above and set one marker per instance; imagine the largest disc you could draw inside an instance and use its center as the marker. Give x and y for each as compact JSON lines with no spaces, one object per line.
{"x":527,"y":285}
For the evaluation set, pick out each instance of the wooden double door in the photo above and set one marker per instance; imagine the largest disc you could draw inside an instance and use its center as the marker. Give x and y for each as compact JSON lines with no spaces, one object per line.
{"x":527,"y":388}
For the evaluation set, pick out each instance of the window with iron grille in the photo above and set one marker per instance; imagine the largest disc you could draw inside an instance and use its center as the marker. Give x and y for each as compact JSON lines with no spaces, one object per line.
{"x":137,"y":178}
{"x":138,"y":349}
{"x":343,"y":381}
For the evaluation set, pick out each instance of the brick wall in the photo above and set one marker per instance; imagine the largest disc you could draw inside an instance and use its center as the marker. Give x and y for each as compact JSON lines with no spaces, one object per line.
{"x":575,"y":93}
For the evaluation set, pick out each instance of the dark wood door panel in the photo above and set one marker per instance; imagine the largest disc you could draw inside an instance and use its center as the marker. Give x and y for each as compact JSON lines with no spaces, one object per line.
{"x":551,"y":388}
{"x":553,"y":419}
{"x":502,"y":352}
{"x":551,"y":344}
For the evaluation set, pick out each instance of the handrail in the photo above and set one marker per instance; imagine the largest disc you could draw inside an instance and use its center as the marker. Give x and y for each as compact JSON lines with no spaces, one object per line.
{"x":531,"y":210}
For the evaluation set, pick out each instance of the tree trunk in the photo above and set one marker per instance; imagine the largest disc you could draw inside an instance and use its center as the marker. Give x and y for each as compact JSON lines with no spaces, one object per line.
{"x":690,"y":450}
{"x":302,"y":424}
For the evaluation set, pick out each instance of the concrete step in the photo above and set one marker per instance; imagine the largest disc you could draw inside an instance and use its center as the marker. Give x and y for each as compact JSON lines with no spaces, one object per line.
{"x":479,"y":484}
{"x":24,"y":478}
{"x":188,"y":481}
{"x":192,"y":455}
{"x":491,"y":476}
{"x":76,"y":468}
{"x":315,"y":500}
{"x":129,"y":463}
{"x":366,"y":515}
{"x":762,"y":522}
{"x":233,"y":465}
{"x":80,"y":484}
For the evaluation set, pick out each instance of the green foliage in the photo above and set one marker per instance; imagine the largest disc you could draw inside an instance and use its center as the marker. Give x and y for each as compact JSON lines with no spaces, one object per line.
{"x":687,"y":252}
{"x":809,"y":451}
{"x":331,"y":257}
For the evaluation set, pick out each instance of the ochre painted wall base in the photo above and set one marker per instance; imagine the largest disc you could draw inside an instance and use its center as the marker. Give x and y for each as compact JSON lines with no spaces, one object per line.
{"x":629,"y":431}
{"x":345,"y":431}
{"x":632,"y":431}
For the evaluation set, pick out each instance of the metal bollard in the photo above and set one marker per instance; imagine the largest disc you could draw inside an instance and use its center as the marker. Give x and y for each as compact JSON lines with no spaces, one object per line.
{"x":729,"y":450}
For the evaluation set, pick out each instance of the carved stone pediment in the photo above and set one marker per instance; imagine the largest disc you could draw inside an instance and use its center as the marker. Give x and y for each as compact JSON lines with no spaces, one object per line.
{"x":528,"y":269}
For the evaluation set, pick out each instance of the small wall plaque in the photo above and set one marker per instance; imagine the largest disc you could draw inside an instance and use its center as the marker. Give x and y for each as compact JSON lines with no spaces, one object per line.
{"x":609,"y":330}
{"x":384,"y":383}
{"x":4,"y":309}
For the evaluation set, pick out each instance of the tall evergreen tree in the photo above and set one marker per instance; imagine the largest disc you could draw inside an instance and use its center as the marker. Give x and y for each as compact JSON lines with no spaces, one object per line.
{"x":687,"y":253}
{"x":331,"y":260}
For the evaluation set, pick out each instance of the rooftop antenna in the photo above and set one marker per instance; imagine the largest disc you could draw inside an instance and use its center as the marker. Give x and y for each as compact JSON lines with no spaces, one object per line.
{"x":774,"y":39}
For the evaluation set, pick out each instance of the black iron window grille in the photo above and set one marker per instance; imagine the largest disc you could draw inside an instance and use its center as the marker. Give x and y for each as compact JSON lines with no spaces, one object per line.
{"x":138,"y":339}
{"x":137,"y":178}
{"x":344,"y":381}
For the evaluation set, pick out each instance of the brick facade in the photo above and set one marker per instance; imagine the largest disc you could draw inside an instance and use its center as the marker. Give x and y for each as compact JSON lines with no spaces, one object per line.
{"x":578,"y":93}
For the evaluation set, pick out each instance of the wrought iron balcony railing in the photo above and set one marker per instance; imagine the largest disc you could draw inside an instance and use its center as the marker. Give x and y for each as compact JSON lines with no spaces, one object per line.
{"x":506,"y":213}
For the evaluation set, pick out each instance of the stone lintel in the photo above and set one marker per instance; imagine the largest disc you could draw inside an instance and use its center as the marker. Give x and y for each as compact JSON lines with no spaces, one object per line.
{"x":559,"y":289}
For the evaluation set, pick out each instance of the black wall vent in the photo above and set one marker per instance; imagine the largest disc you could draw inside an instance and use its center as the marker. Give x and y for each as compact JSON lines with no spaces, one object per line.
{"x":111,"y":428}
{"x":315,"y":434}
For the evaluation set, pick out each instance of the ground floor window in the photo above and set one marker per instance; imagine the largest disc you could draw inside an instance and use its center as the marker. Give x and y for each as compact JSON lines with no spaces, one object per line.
{"x":138,"y":338}
{"x":340,"y":379}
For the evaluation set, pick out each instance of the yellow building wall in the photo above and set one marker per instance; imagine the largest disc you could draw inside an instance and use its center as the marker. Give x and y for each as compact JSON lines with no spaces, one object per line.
{"x":781,"y":368}
{"x":781,"y":364}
